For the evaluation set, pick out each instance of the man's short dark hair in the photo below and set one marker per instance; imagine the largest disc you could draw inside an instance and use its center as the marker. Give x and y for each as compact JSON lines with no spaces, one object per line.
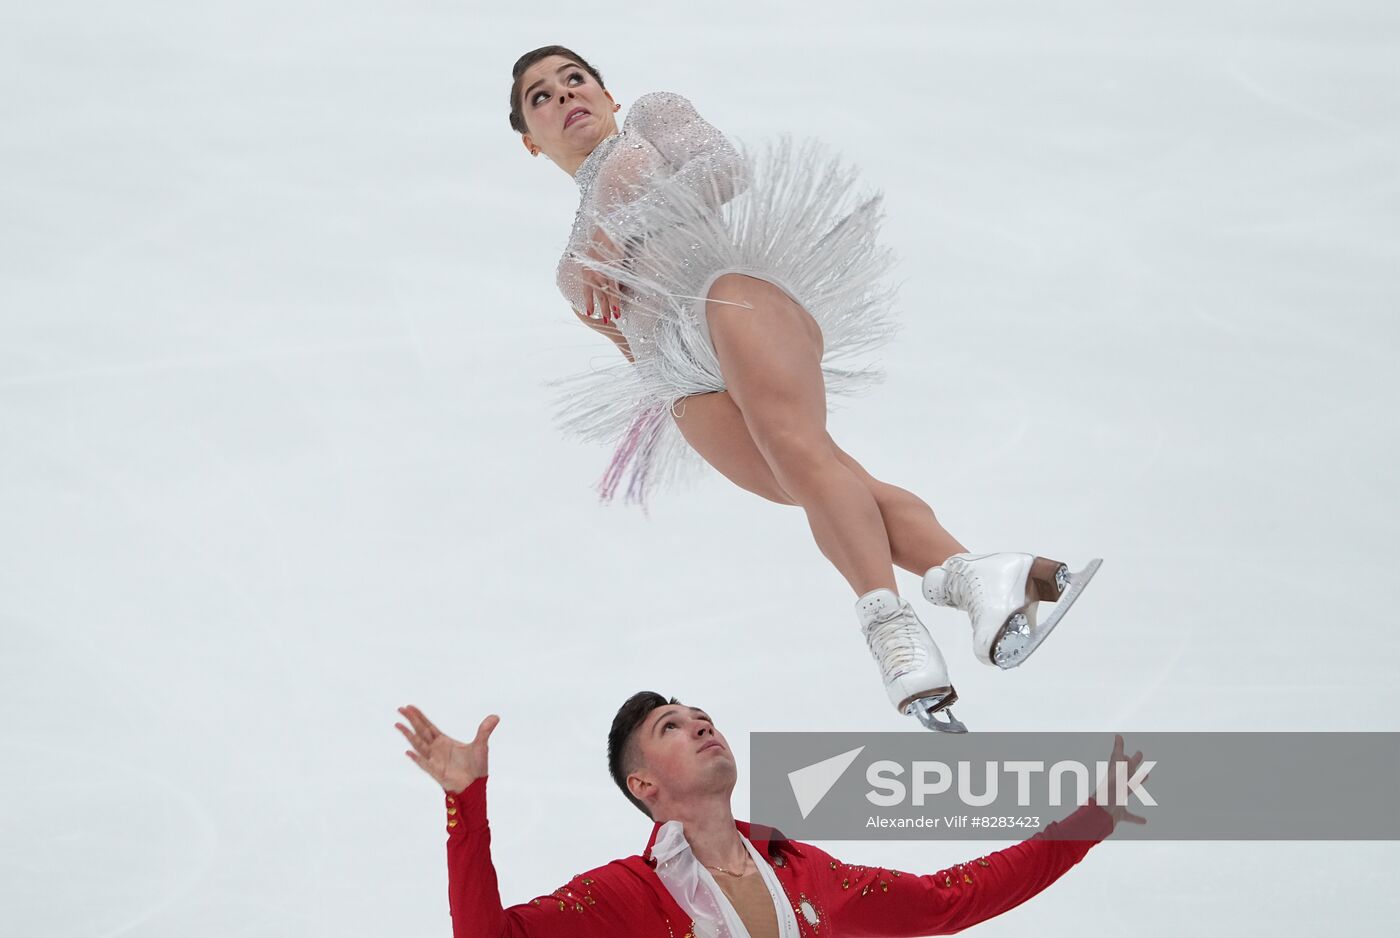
{"x":622,"y":754}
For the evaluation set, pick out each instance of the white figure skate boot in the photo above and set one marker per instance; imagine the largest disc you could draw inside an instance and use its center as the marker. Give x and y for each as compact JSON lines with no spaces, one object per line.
{"x":1002,"y":592}
{"x":915,"y":675}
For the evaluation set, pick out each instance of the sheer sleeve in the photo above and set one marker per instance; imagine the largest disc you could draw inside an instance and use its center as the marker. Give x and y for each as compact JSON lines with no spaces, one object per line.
{"x":698,"y":162}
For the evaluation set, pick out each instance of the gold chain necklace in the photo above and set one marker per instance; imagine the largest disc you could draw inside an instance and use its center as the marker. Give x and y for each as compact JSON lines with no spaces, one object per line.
{"x":724,"y":871}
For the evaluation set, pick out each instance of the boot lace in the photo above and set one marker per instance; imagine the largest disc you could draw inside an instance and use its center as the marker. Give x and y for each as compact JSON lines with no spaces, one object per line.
{"x":895,"y":643}
{"x":962,"y":590}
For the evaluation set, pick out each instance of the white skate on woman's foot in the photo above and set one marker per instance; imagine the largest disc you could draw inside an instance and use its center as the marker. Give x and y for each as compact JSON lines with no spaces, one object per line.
{"x":912,"y":667}
{"x":1001,"y":592}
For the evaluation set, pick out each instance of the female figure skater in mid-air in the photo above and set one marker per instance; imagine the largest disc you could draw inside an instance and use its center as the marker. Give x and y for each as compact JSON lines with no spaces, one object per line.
{"x":739,"y":288}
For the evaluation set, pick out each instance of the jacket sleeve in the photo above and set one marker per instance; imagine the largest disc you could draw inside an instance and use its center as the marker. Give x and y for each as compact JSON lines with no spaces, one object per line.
{"x":704,"y":166}
{"x":870,"y":901}
{"x":596,"y":904}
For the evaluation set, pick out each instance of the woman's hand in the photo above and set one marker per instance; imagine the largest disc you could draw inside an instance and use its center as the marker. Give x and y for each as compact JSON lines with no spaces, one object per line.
{"x":602,"y":294}
{"x":452,"y":764}
{"x":611,"y":331}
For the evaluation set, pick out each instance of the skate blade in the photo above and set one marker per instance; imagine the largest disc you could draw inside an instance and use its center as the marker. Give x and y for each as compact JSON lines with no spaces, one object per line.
{"x":927,"y":709}
{"x":1042,"y":629}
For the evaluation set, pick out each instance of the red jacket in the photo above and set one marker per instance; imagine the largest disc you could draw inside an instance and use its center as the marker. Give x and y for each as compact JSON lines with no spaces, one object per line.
{"x":626,"y":898}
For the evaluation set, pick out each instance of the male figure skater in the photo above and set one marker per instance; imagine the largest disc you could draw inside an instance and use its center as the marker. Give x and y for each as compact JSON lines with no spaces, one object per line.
{"x":705,"y":875}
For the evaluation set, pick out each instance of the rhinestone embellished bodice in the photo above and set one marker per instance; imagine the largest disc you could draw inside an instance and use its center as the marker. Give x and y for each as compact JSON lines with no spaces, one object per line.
{"x":588,"y":169}
{"x":663,"y":137}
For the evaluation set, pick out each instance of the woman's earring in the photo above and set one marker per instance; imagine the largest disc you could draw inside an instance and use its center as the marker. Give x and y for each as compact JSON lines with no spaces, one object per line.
{"x":617,"y":107}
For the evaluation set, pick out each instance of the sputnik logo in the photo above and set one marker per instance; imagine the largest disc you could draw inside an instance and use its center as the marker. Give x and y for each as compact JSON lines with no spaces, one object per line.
{"x":811,"y":784}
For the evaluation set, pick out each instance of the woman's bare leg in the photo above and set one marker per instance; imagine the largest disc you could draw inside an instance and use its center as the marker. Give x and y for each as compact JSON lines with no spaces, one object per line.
{"x":917,"y":540}
{"x":713,"y":425}
{"x":770,"y":353}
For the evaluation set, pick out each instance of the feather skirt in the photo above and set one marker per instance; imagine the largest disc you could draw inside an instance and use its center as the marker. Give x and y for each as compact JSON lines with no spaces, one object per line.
{"x":790,"y":212}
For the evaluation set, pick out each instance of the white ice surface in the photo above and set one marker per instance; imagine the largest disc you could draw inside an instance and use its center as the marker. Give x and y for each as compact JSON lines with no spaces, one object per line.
{"x":276,"y":309}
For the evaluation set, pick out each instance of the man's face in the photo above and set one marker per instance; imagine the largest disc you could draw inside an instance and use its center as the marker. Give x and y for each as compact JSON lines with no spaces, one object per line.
{"x":680,"y":755}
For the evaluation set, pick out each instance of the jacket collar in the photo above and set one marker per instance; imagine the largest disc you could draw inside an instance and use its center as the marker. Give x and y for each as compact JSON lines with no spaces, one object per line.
{"x":769,"y":841}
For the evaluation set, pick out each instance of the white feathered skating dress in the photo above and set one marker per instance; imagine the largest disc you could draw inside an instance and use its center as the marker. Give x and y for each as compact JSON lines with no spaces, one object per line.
{"x":685,"y":205}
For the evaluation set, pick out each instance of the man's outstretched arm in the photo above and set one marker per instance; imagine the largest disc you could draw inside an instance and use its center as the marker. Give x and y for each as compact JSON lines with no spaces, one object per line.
{"x":881,"y":903}
{"x":592,"y":905}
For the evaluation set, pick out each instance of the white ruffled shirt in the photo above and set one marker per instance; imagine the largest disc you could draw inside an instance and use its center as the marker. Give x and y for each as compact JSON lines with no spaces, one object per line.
{"x":696,"y":891}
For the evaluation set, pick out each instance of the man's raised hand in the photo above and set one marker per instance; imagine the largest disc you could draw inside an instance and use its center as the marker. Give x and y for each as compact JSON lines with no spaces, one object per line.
{"x":453,"y":765}
{"x":1120,"y":812}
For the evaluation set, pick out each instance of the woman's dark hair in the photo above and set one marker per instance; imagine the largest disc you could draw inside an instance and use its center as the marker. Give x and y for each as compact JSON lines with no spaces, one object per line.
{"x":517,"y":118}
{"x":621,"y":755}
